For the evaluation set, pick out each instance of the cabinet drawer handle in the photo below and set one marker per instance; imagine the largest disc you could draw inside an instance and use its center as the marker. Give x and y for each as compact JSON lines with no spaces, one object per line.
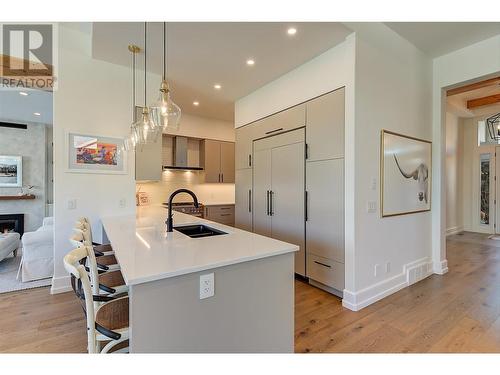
{"x":274,"y":131}
{"x":225,"y":214}
{"x":322,"y":264}
{"x":225,"y":208}
{"x":249,"y":200}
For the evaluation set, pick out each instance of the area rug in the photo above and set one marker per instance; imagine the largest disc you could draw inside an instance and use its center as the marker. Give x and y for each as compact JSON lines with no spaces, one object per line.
{"x":8,"y":273}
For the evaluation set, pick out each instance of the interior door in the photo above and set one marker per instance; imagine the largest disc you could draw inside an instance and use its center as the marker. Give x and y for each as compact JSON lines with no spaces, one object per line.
{"x":287,"y":198}
{"x":261,"y":191}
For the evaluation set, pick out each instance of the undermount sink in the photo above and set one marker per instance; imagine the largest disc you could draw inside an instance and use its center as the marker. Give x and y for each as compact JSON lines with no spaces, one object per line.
{"x":198,"y":231}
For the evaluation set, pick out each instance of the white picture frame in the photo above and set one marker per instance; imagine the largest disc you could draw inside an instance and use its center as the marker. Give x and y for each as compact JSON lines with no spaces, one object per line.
{"x":11,"y":171}
{"x":405,"y":174}
{"x":102,"y":154}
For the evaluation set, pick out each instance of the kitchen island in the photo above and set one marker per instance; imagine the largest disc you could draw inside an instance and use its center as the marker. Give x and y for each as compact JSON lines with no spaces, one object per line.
{"x":252,"y":309}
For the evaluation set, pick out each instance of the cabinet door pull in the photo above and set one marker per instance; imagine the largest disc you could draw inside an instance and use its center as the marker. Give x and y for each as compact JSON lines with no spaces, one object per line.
{"x":219,"y":177}
{"x":274,"y":131}
{"x":267,"y":203}
{"x":249,"y":200}
{"x":306,"y":211}
{"x":249,"y":160}
{"x":323,"y":264}
{"x":307,"y":151}
{"x":271,"y":204}
{"x":222,"y":178}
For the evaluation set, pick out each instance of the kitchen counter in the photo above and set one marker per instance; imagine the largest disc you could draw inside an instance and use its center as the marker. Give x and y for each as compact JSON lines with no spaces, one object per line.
{"x":250,"y":309}
{"x":146,"y":252}
{"x":218,"y":203}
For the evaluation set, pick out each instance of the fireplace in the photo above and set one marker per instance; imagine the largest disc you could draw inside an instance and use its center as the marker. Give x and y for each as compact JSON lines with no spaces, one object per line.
{"x":13,"y":223}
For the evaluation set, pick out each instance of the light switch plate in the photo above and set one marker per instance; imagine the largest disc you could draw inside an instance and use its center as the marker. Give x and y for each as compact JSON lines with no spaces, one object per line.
{"x":207,"y":286}
{"x":72,"y":204}
{"x":371,"y":207}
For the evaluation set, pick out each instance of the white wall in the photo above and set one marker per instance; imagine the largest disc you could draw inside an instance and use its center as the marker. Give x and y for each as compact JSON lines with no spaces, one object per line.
{"x":470,"y":63}
{"x":93,"y":97}
{"x":454,"y":171}
{"x":30,"y":144}
{"x":202,"y":127}
{"x":393,"y":89}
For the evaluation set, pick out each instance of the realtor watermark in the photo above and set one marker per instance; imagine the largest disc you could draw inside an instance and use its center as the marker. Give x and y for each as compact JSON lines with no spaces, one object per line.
{"x":28,"y":56}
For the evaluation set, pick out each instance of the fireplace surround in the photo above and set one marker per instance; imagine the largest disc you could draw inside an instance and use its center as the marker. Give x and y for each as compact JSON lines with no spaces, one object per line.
{"x":12,"y":222}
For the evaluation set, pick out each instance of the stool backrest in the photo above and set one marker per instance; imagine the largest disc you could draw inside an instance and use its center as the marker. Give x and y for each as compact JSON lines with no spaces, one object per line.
{"x":80,"y":281}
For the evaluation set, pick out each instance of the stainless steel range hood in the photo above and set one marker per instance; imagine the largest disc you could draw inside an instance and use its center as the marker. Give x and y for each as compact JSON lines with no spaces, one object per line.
{"x":180,"y":151}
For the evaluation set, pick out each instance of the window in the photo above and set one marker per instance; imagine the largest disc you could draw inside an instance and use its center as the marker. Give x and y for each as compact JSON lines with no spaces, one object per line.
{"x":484,"y":205}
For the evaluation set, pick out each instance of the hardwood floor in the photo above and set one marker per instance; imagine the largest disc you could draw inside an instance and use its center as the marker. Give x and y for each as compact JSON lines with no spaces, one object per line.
{"x":457,"y":312}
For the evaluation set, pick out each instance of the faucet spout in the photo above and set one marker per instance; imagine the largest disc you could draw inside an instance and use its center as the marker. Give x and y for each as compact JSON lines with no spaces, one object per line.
{"x":169,"y":222}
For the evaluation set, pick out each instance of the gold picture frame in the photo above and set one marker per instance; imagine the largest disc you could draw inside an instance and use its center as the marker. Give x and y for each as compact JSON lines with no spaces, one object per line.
{"x":404,"y":181}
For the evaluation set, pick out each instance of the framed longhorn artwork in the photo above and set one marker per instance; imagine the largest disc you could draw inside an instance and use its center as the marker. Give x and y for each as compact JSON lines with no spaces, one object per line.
{"x":405,"y":174}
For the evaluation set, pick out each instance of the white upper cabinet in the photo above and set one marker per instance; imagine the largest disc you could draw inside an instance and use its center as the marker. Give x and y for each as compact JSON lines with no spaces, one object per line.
{"x":325,"y":126}
{"x":291,"y":118}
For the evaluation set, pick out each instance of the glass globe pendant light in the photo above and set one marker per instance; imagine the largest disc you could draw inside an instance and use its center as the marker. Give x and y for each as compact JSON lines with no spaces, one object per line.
{"x":165,"y":113}
{"x":131,"y":140}
{"x":145,"y":128}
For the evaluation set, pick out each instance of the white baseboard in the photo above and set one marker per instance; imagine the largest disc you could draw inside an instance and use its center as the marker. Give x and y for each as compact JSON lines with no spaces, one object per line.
{"x":412,"y":273}
{"x":60,"y":285}
{"x":440,"y":268}
{"x":454,"y":230}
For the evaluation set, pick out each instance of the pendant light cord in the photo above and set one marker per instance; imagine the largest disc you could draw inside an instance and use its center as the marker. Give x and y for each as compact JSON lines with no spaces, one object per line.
{"x":164,"y":51}
{"x":145,"y":61}
{"x":133,"y":86}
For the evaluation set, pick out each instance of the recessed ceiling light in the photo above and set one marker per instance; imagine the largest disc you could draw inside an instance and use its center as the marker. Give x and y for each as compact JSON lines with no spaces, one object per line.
{"x":196,"y":103}
{"x":292,"y":31}
{"x":217,"y":86}
{"x":23,"y":93}
{"x":250,"y":62}
{"x":36,"y":113}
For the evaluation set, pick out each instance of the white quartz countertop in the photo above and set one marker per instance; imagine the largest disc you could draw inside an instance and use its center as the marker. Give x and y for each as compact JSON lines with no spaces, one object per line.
{"x":146,"y":252}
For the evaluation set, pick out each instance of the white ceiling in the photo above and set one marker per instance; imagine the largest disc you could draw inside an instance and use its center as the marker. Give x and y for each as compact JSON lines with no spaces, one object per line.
{"x":439,"y":38}
{"x":15,"y":107}
{"x":202,"y":54}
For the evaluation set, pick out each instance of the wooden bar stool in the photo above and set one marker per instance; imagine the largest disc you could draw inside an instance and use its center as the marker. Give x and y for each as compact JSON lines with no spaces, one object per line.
{"x":103,"y":279}
{"x":100,"y":249}
{"x":108,"y":320}
{"x":104,"y":262}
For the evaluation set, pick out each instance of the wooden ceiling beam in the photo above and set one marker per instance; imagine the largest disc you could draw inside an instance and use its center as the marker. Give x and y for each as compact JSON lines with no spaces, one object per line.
{"x":486,"y":100}
{"x":474,"y":86}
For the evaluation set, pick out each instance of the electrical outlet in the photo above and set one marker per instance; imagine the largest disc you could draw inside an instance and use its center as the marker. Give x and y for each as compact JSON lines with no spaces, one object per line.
{"x":387,"y":267}
{"x":72,"y":204}
{"x":123,"y":203}
{"x":207,"y":286}
{"x":376,"y":270}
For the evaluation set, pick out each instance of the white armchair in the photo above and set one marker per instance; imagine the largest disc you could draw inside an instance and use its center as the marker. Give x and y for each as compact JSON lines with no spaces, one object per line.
{"x":38,"y":252}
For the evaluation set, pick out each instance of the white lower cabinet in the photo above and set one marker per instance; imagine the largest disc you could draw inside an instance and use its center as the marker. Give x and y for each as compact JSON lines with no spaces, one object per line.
{"x":325,"y":219}
{"x":327,"y":272}
{"x":243,"y":198}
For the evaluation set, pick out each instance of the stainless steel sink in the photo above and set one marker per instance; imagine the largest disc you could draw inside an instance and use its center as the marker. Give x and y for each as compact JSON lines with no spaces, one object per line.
{"x":198,"y":231}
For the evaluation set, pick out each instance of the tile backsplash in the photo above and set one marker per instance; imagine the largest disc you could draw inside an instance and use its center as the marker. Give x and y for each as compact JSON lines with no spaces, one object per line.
{"x":194,"y":180}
